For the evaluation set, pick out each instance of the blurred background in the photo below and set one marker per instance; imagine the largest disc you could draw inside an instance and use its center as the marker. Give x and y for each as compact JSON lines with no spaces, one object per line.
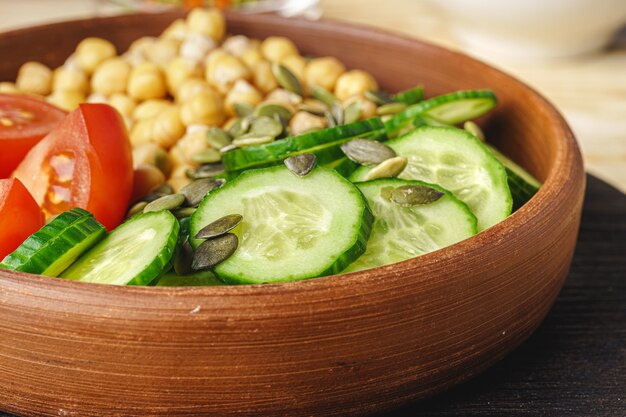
{"x":572,"y":51}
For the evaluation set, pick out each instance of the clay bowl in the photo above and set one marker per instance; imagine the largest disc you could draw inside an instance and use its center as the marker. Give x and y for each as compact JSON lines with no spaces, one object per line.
{"x":348,"y":344}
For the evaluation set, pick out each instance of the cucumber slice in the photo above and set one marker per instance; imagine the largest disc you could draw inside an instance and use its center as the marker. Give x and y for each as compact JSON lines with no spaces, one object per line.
{"x":521,"y":183}
{"x":450,"y":109}
{"x":134,"y":253}
{"x":411,"y":96}
{"x":457,"y":161}
{"x":197,"y":279}
{"x":344,"y":166}
{"x":401,"y":233}
{"x":57,"y":245}
{"x":248,"y":157}
{"x":293,"y":227}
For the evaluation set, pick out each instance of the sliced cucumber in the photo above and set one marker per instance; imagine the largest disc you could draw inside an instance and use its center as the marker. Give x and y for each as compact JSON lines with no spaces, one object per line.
{"x":134,"y":253}
{"x":410,"y":96}
{"x":55,"y":246}
{"x":450,"y":109}
{"x":344,"y":166}
{"x":522,"y":184}
{"x":248,"y":157}
{"x":457,"y":161}
{"x":401,"y":233}
{"x":197,"y":279}
{"x":293,"y":227}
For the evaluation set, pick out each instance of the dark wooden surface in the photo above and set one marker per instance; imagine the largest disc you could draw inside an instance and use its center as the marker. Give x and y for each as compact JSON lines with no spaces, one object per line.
{"x":575,"y":364}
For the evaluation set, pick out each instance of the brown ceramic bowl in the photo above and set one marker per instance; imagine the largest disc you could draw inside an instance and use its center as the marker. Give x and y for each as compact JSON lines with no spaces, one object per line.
{"x":347,"y":344}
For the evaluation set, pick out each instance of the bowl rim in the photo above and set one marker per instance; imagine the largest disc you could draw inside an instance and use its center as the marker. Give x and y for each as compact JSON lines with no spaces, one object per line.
{"x":566,"y":161}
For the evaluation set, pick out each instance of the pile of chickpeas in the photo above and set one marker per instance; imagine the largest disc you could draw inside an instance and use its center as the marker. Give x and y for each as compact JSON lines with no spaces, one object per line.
{"x":173,"y":88}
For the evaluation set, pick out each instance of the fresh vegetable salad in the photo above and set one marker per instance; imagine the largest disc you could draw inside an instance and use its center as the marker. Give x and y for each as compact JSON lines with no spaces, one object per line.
{"x":201,"y":158}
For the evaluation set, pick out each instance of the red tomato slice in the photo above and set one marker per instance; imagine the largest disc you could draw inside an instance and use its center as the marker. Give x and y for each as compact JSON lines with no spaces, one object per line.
{"x":20,"y":216}
{"x":23,"y":122}
{"x":86,"y":162}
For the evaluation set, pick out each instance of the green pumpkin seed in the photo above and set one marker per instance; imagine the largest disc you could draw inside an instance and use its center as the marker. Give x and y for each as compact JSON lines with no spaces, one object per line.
{"x":323,"y":95}
{"x":274,"y":110}
{"x":474,"y":129}
{"x":390,"y":109}
{"x":241,"y":126}
{"x":164,"y":189}
{"x":151,"y":197}
{"x":379,"y":97}
{"x":136,"y":209}
{"x":301,"y":164}
{"x":367,"y":151}
{"x":220,"y":226}
{"x":385,"y":192}
{"x":205,"y":171}
{"x":286,"y":79}
{"x":207,"y":156}
{"x":183,"y":212}
{"x":352,"y":113}
{"x":330,"y":119}
{"x":414,"y":195}
{"x":213,"y":251}
{"x":167,"y":202}
{"x":389,"y":168}
{"x":243,"y":109}
{"x":337,"y":112}
{"x":197,"y":190}
{"x":217,"y":138}
{"x":252,"y":140}
{"x":183,"y":259}
{"x":228,"y":148}
{"x":314,"y":110}
{"x":266,"y":126}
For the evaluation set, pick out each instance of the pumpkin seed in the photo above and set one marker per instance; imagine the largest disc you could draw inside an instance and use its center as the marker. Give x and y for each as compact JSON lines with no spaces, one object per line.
{"x":389,"y":168}
{"x":385,"y":193}
{"x":183,"y":212}
{"x":390,"y":108}
{"x":183,"y":259}
{"x":367,"y":151}
{"x":252,"y":140}
{"x":323,"y":95}
{"x":337,"y":112}
{"x":164,"y":189}
{"x":136,"y":208}
{"x":220,"y":226}
{"x":243,"y":109}
{"x":352,"y":113}
{"x":314,"y":110}
{"x":474,"y":129}
{"x":148,"y":198}
{"x":286,"y":79}
{"x":213,"y":251}
{"x":330,"y":120}
{"x":197,"y":190}
{"x":266,"y":126}
{"x":207,"y":156}
{"x":217,"y":138}
{"x":274,"y":110}
{"x":240,"y":127}
{"x":205,"y":171}
{"x":167,"y":202}
{"x":414,"y":195}
{"x":301,"y":164}
{"x":379,"y":97}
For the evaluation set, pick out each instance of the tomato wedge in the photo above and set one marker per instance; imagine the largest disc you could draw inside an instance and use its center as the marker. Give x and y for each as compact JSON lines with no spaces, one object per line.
{"x":23,"y":122}
{"x":85,"y":162}
{"x":20,"y":216}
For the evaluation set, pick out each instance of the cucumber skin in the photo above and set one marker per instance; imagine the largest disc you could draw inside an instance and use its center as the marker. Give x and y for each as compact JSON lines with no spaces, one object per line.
{"x":243,"y":158}
{"x":349,"y":256}
{"x":411,"y":96}
{"x":43,"y":248}
{"x":344,"y":166}
{"x":405,"y":118}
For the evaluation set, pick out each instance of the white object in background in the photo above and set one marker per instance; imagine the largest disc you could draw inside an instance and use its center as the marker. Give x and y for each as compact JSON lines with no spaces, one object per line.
{"x":309,"y":9}
{"x":534,"y":28}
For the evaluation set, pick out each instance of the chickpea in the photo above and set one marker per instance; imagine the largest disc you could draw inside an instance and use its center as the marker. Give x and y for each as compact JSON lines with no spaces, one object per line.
{"x":252,"y":57}
{"x":70,"y":78}
{"x":178,"y":70}
{"x":193,"y":142}
{"x":180,"y":180}
{"x":204,"y":108}
{"x":355,"y":82}
{"x":96,"y":98}
{"x":190,"y":88}
{"x":224,"y":69}
{"x":34,"y":77}
{"x":111,"y":77}
{"x":303,"y":121}
{"x":123,"y":104}
{"x":146,"y":82}
{"x":296,"y":64}
{"x":146,"y":178}
{"x":284,"y":97}
{"x":68,"y":100}
{"x":141,"y":132}
{"x":167,"y":127}
{"x":9,"y":88}
{"x":323,"y":72}
{"x":177,"y":30}
{"x":177,"y":158}
{"x":229,"y":123}
{"x":238,"y":45}
{"x":242,"y":92}
{"x":275,"y":48}
{"x":196,"y":47}
{"x":134,"y":58}
{"x":91,"y":52}
{"x":150,"y":109}
{"x":263,"y":77}
{"x":153,"y":154}
{"x":163,"y":51}
{"x":368,"y":108}
{"x":209,"y":22}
